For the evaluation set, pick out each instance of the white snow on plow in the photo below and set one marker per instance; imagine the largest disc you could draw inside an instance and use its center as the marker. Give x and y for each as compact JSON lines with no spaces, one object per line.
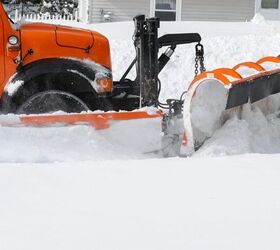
{"x":254,"y":133}
{"x":254,"y":129}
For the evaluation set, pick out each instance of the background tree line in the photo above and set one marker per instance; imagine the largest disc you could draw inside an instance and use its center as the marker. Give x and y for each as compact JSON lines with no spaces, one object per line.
{"x":52,"y":7}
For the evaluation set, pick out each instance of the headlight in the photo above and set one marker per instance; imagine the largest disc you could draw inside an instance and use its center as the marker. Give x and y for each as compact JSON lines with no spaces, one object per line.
{"x":13,"y":40}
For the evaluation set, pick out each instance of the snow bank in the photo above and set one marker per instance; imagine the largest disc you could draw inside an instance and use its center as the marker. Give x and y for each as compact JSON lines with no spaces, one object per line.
{"x":253,"y":132}
{"x":259,"y":19}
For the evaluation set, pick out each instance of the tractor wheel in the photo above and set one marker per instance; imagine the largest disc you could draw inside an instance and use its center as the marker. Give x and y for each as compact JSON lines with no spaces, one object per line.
{"x":51,"y":101}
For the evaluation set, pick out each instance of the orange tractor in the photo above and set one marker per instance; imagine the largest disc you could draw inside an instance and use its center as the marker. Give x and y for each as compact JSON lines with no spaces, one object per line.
{"x":48,"y":68}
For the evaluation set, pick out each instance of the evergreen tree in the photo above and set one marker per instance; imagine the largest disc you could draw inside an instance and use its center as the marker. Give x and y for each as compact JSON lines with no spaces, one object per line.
{"x":11,"y":2}
{"x":67,"y":7}
{"x":61,"y":7}
{"x":47,"y":7}
{"x":50,"y":7}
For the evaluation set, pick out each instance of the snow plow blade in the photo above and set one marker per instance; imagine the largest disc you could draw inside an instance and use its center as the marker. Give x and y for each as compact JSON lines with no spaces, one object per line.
{"x":98,"y":120}
{"x":215,"y":96}
{"x":254,"y":89}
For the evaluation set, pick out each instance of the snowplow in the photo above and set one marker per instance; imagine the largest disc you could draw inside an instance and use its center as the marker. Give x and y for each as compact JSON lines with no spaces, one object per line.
{"x":59,"y":75}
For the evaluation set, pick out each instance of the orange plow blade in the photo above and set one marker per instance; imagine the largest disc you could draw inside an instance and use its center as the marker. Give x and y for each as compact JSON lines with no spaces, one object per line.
{"x":215,"y":96}
{"x":98,"y":120}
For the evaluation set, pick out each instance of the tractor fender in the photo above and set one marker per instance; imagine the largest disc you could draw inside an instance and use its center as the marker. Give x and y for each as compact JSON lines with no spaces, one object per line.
{"x":86,"y":69}
{"x":27,"y":81}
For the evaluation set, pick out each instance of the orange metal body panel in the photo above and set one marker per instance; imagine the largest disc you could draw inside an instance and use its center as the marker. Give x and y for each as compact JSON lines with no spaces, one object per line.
{"x":251,"y":65}
{"x":216,"y":74}
{"x":78,"y":39}
{"x":2,"y":52}
{"x":8,"y":67}
{"x":97,"y":120}
{"x":269,"y":59}
{"x":228,"y":72}
{"x":42,"y":38}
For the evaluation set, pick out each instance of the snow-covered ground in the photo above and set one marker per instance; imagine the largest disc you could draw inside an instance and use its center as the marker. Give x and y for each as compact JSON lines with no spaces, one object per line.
{"x":71,"y":188}
{"x":222,"y":203}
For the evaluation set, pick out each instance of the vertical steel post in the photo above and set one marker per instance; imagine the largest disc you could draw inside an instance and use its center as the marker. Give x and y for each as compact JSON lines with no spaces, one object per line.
{"x":150,"y":54}
{"x":146,"y":44}
{"x":139,"y":22}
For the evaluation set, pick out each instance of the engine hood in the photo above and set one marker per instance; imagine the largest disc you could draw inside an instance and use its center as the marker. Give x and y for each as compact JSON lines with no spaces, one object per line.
{"x":37,"y":27}
{"x":77,"y":38}
{"x":64,"y":36}
{"x":55,"y":41}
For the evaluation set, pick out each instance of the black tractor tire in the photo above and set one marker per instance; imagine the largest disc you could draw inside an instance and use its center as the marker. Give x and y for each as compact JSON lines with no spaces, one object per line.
{"x":51,"y":101}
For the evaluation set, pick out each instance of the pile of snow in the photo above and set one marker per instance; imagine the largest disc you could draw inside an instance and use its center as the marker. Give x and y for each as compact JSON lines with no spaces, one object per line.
{"x":259,"y":19}
{"x":254,"y":133}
